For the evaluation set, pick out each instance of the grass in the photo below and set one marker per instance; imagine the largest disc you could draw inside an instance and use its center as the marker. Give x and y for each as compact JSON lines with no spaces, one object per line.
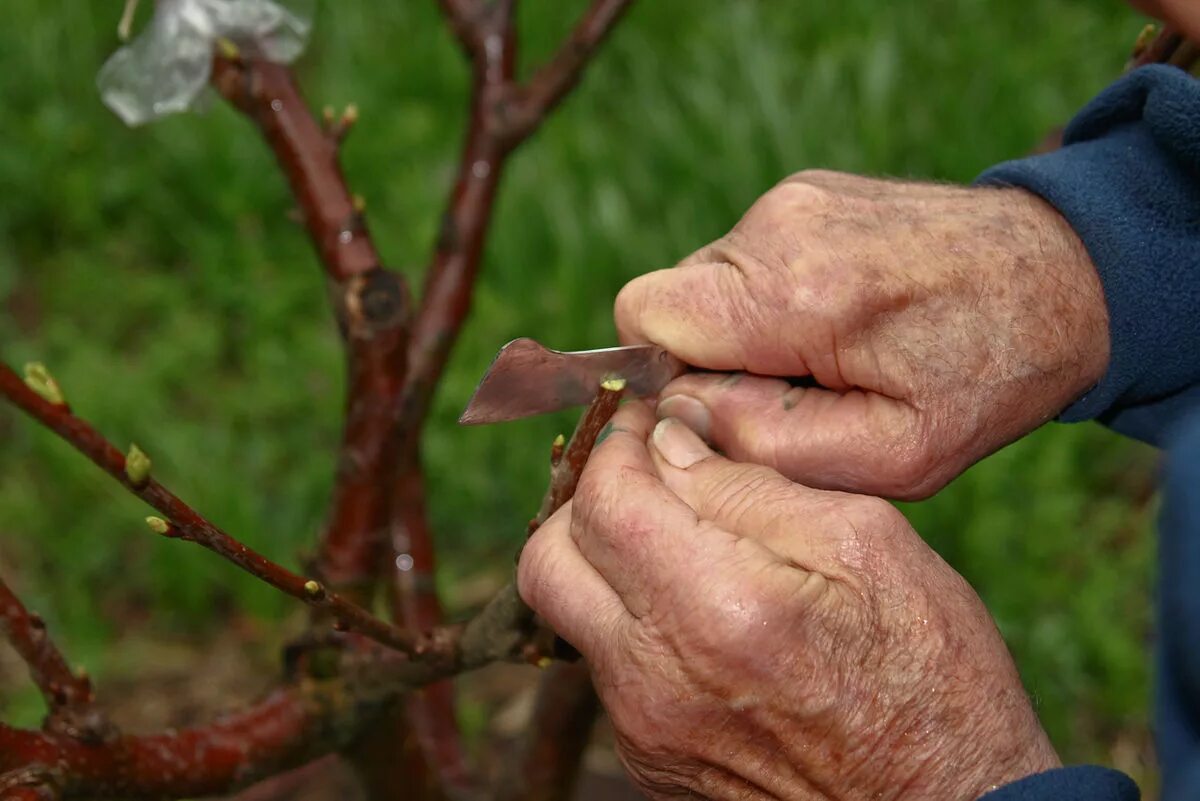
{"x":157,"y":274}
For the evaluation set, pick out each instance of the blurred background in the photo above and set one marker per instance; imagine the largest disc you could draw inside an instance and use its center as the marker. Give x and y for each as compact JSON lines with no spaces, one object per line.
{"x":157,"y":273}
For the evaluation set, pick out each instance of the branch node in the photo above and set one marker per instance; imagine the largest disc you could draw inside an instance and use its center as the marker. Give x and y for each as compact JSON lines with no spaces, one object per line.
{"x":1144,"y":38}
{"x":314,"y":590}
{"x":556,"y":450}
{"x":337,"y":129}
{"x":228,"y":49}
{"x":158,"y":525}
{"x":39,"y":379}
{"x":125,"y":26}
{"x":137,"y":467}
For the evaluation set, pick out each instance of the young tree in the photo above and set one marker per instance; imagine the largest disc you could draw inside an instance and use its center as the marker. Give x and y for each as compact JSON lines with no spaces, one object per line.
{"x":355,"y":683}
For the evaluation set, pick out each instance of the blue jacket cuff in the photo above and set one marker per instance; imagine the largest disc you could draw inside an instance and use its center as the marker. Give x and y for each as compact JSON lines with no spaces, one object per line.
{"x":1078,"y":783}
{"x":1128,"y":181}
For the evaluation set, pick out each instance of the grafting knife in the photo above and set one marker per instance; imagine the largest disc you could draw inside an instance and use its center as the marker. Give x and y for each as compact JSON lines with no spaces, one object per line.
{"x":527,"y":378}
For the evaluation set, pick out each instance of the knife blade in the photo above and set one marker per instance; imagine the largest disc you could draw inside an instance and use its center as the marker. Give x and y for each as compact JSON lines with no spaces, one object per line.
{"x":526,"y":378}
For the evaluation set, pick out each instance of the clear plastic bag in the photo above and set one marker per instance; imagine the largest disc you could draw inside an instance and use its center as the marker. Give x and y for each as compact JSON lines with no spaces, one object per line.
{"x":166,"y":68}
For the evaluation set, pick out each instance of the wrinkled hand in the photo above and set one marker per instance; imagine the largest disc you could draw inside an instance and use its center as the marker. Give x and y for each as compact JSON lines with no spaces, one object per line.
{"x":753,"y":638}
{"x":941,"y":323}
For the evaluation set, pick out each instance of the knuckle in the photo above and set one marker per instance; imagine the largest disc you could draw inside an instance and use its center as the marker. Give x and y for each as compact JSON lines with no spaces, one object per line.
{"x":533,"y":574}
{"x":912,"y":466}
{"x":867,"y":525}
{"x":815,"y":176}
{"x":871,"y":518}
{"x":606,"y":509}
{"x":787,"y":202}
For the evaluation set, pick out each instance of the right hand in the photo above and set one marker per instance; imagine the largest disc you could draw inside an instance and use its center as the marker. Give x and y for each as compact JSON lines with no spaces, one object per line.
{"x":940,"y":322}
{"x":752,"y":638}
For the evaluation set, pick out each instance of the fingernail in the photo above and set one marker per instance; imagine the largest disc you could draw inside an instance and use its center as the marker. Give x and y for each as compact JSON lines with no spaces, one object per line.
{"x":691,"y":412}
{"x":678,"y":444}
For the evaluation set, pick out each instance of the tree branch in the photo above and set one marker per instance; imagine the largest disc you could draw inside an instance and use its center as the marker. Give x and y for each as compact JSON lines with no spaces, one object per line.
{"x":555,"y":79}
{"x":297,"y":723}
{"x":371,"y":305}
{"x":49,"y":670}
{"x":268,"y":95}
{"x":186,"y":523}
{"x":567,"y":465}
{"x":464,"y":18}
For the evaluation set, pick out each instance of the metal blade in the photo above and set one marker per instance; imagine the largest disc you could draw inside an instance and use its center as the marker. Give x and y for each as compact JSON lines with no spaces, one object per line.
{"x":527,"y":378}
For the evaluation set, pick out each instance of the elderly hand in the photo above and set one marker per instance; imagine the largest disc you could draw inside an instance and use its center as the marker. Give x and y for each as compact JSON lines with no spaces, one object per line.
{"x":753,"y":638}
{"x":941,"y":323}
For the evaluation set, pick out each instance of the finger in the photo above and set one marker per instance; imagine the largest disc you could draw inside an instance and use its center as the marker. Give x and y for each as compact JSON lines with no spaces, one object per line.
{"x":561,"y":586}
{"x":705,"y":313}
{"x":855,"y":441}
{"x":801,"y":526}
{"x":634,"y":531}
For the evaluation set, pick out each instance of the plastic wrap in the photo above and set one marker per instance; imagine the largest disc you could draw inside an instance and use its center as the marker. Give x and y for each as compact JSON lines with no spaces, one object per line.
{"x":167,"y":66}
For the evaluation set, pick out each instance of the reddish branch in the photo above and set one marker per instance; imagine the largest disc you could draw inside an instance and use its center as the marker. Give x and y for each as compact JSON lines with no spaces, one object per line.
{"x":550,"y":753}
{"x":502,"y":114}
{"x":49,"y":670}
{"x":299,"y":722}
{"x":185,"y":523}
{"x":371,"y":305}
{"x":558,"y":77}
{"x":566,"y":466}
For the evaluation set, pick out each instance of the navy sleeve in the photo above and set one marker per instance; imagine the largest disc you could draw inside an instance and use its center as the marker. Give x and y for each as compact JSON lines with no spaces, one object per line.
{"x":1080,"y":783}
{"x":1177,"y":693}
{"x":1127,"y":179}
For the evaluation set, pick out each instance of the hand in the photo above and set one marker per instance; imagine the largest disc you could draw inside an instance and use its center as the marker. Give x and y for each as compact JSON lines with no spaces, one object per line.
{"x":1183,"y":14}
{"x":753,"y":638}
{"x":941,"y":323}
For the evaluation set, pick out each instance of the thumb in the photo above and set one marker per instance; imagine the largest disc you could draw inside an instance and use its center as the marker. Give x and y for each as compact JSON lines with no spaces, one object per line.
{"x":854,"y":441}
{"x":704,"y":312}
{"x":751,"y":501}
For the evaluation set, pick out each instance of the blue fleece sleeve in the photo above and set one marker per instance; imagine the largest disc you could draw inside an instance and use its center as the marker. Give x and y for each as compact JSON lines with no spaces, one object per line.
{"x":1079,"y":783}
{"x":1177,"y":692}
{"x":1127,"y":179}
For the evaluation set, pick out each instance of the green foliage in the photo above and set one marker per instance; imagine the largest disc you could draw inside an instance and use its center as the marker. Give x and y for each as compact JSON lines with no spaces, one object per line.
{"x":155,"y":272}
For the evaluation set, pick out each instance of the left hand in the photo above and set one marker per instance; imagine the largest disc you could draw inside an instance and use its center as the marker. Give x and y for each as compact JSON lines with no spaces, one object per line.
{"x":753,"y":638}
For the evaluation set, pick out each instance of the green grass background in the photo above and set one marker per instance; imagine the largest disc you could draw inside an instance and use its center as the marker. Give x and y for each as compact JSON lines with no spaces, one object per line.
{"x":156,"y":272}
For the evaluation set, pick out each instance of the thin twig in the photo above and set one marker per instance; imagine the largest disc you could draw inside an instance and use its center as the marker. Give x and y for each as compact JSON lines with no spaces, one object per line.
{"x":186,"y":523}
{"x":464,"y":18}
{"x":26,"y":632}
{"x":566,"y":469}
{"x":548,"y":757}
{"x":555,"y":79}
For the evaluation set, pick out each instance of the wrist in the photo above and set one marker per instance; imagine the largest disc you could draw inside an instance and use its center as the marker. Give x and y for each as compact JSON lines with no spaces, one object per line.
{"x":1079,"y":334}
